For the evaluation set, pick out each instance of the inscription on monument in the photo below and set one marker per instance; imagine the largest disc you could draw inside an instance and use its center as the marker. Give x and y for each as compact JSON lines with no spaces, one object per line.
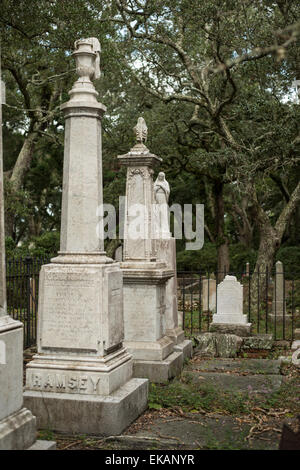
{"x":70,"y":311}
{"x":230,"y":296}
{"x":64,"y":382}
{"x":230,"y":299}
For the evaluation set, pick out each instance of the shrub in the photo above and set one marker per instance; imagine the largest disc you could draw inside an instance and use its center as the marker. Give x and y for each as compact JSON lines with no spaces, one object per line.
{"x":195,"y":260}
{"x":206,"y":258}
{"x":46,"y":245}
{"x":239,"y":256}
{"x":290,"y":258}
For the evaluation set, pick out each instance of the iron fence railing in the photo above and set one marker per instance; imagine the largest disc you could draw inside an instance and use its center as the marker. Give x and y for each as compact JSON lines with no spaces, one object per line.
{"x":271,"y":300}
{"x":22,"y":283}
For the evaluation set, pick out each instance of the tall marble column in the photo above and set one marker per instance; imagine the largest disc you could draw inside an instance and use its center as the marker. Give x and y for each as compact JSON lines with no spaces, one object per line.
{"x":17,"y":424}
{"x":166,"y":251}
{"x":81,"y":380}
{"x":145,"y":278}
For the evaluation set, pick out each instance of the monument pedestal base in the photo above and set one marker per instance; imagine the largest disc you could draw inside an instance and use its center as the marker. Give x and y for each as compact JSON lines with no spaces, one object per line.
{"x":17,"y":424}
{"x":84,"y":375}
{"x":11,"y":366}
{"x":159,"y":371}
{"x":43,"y":445}
{"x":144,"y":317}
{"x":18,"y":431}
{"x":81,"y":380}
{"x":238,"y":329}
{"x":89,"y":414}
{"x":155,"y":360}
{"x":150,"y":350}
{"x":175,"y":334}
{"x":180,"y":343}
{"x":186,"y":347}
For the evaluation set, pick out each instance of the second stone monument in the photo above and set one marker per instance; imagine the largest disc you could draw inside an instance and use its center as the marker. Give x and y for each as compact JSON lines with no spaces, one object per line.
{"x":145,"y":277}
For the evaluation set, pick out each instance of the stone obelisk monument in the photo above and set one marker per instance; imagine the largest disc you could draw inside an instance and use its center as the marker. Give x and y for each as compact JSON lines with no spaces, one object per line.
{"x":81,"y":380}
{"x":17,"y":424}
{"x":145,"y":277}
{"x":166,"y":251}
{"x":279,"y":313}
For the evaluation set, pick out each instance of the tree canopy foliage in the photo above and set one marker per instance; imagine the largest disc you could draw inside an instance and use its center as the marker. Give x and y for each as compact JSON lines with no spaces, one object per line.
{"x":213,"y":80}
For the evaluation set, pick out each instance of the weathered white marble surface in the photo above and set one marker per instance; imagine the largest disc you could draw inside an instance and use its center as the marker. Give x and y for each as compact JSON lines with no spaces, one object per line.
{"x":17,"y":424}
{"x":230,"y":302}
{"x":81,"y":308}
{"x":11,"y":372}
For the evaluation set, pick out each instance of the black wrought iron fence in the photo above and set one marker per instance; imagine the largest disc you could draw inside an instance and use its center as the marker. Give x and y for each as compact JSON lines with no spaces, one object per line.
{"x":22,"y":278}
{"x":271,"y":300}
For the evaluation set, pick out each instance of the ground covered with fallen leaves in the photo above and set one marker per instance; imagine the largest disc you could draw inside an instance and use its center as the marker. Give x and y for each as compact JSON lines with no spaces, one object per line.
{"x":214,"y":404}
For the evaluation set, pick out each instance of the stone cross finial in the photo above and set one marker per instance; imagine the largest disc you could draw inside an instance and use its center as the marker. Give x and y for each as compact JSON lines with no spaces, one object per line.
{"x":141,"y":130}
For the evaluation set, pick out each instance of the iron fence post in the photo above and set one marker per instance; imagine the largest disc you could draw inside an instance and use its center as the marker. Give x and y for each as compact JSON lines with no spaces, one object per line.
{"x":28,"y":262}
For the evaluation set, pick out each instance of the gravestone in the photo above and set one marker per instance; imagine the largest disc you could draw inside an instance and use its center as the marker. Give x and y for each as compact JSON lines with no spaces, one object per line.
{"x":81,"y":379}
{"x":247,"y":269}
{"x":279,"y":305}
{"x":166,"y":251}
{"x":209,"y":287}
{"x":145,"y":277}
{"x":229,"y":314}
{"x":17,"y":424}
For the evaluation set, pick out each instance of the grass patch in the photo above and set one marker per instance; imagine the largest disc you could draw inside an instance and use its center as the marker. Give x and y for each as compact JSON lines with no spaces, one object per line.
{"x":190,"y":397}
{"x":46,"y":435}
{"x":288,"y":396}
{"x":229,"y":442}
{"x":199,"y":322}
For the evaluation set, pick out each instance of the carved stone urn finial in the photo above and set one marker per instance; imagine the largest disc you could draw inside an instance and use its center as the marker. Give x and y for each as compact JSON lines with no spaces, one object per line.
{"x":87,"y":57}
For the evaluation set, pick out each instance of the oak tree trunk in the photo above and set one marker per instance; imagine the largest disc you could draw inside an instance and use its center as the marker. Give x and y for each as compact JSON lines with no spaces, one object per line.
{"x":222,"y":241}
{"x":17,"y":178}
